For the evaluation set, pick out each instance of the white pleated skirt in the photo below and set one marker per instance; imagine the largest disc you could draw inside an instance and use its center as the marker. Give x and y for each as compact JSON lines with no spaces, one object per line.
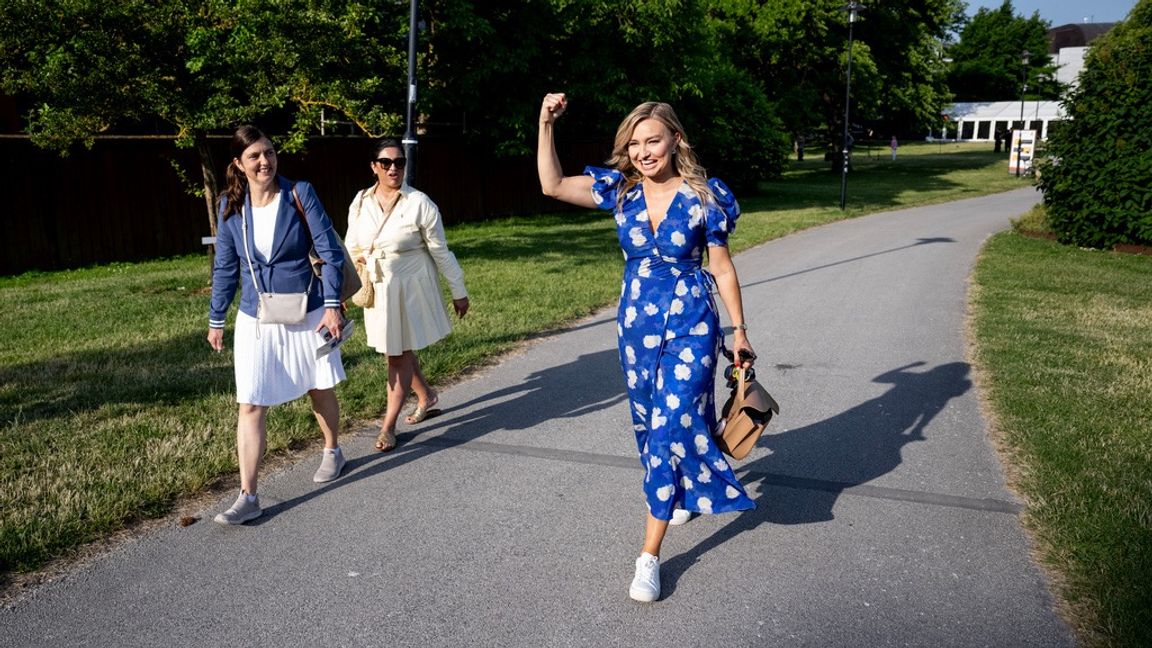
{"x":408,"y":312}
{"x":281,"y":364}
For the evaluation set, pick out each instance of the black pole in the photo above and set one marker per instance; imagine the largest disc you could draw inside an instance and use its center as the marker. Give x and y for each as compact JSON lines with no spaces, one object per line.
{"x":1023,"y":89}
{"x":410,"y":144}
{"x":852,"y":8}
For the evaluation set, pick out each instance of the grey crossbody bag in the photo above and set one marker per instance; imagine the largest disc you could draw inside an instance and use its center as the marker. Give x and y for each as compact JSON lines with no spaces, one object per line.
{"x":276,"y":308}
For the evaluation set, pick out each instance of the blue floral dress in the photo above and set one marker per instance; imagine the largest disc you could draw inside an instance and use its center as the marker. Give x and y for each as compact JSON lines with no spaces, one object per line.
{"x":669,"y":337}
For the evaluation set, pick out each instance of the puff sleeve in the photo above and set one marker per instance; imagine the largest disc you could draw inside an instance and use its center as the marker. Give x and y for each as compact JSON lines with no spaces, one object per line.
{"x":722,"y":215}
{"x":607,"y":184}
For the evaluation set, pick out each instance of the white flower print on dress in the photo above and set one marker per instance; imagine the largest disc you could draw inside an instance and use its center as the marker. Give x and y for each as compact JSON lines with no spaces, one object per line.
{"x":676,"y":307}
{"x":678,"y":238}
{"x":686,"y":355}
{"x":685,"y":420}
{"x":654,"y":461}
{"x":645,"y":269}
{"x":629,"y":354}
{"x":705,"y":504}
{"x":651,"y":309}
{"x":731,"y":492}
{"x":637,"y":235}
{"x":683,"y":372}
{"x":672,"y":400}
{"x":664,"y":492}
{"x":631,"y":378}
{"x":720,"y":465}
{"x":686,"y":482}
{"x":635,"y":294}
{"x":701,"y":328}
{"x":651,"y":341}
{"x":677,"y":449}
{"x":658,"y":419}
{"x":681,"y":289}
{"x":705,"y":475}
{"x":629,"y":316}
{"x":701,"y":442}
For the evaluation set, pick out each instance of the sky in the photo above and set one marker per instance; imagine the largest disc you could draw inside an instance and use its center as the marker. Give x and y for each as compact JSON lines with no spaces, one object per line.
{"x":1062,"y":12}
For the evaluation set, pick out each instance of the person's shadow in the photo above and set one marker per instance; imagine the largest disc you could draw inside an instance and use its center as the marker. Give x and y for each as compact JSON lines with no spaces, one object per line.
{"x":588,"y":383}
{"x":815,"y":463}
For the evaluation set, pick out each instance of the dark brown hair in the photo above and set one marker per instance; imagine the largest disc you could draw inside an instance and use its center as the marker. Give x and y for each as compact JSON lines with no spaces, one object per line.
{"x":235,"y":182}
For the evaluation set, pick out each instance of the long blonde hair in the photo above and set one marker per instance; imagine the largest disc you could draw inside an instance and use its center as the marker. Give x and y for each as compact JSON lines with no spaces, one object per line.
{"x":685,"y":161}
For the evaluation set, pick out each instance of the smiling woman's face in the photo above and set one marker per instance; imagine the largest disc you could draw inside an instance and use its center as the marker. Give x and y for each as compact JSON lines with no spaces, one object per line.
{"x":650,"y":149}
{"x":258,"y":162}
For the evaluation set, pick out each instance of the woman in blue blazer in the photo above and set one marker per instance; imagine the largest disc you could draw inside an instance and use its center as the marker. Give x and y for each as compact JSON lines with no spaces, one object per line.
{"x":262,"y":245}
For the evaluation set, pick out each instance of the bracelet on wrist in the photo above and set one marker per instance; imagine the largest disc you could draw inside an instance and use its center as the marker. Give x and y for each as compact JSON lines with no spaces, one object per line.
{"x":739,"y":327}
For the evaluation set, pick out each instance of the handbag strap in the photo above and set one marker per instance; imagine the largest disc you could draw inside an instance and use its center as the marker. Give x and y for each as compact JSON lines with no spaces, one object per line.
{"x":383,"y":221}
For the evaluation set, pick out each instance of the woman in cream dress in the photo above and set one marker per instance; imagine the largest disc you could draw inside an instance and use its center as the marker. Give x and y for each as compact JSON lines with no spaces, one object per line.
{"x":396,"y":230}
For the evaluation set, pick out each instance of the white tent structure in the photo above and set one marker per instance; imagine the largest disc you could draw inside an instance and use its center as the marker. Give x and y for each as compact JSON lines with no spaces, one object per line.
{"x":979,"y":121}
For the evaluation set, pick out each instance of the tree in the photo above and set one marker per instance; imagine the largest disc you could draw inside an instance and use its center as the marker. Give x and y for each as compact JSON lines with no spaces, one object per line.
{"x":987,"y":63}
{"x":90,"y":67}
{"x":1096,"y":178}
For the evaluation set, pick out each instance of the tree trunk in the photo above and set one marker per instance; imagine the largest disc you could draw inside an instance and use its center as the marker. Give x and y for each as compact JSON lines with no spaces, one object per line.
{"x":208,"y":173}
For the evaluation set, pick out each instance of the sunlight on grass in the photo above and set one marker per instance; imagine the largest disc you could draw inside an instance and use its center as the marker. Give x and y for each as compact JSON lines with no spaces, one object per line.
{"x":1063,"y":338}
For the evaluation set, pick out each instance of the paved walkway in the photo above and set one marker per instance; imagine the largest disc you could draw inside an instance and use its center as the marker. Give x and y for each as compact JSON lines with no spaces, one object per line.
{"x":513,"y":519}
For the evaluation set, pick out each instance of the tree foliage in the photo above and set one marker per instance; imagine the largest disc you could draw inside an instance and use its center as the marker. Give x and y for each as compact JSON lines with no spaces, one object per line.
{"x":987,"y":61}
{"x":745,"y":75}
{"x":1096,"y":182}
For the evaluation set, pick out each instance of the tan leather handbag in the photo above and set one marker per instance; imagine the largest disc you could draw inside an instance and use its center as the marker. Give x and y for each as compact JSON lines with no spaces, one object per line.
{"x":744,"y":416}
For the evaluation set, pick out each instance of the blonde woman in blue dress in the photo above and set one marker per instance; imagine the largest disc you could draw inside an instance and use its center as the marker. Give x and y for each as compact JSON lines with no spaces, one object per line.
{"x":667,"y":212}
{"x":397,"y":231}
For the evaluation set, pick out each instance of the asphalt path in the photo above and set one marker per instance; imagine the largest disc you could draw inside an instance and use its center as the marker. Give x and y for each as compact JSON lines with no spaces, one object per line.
{"x":514,"y":517}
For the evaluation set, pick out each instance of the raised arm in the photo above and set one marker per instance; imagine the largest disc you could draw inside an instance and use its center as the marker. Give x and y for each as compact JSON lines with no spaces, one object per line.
{"x":572,"y":189}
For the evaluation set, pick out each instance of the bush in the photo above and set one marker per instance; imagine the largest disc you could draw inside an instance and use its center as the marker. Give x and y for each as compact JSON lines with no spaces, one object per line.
{"x":1097,"y":180}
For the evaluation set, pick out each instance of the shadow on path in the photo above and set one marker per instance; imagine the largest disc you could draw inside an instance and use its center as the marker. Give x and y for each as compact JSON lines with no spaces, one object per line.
{"x":838,"y":453}
{"x":589,"y":383}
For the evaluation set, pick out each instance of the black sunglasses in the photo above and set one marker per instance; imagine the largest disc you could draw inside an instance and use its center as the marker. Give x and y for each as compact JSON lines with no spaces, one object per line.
{"x":386,"y":163}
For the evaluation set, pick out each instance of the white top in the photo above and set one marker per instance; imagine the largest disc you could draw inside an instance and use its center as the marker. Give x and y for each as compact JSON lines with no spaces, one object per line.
{"x":264,"y":226}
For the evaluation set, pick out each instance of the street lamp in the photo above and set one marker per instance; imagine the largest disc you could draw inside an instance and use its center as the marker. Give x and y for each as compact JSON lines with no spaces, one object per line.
{"x":1024,"y":56}
{"x":852,"y":8}
{"x":409,"y":133}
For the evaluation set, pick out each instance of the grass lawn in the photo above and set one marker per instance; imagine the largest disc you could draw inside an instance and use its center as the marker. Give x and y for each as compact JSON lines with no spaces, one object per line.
{"x":1064,"y":346}
{"x":112,"y":406}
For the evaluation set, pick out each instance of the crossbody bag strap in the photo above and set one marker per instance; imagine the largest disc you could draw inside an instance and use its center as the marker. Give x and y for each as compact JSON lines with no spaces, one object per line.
{"x":247,"y":252}
{"x":383,"y":221}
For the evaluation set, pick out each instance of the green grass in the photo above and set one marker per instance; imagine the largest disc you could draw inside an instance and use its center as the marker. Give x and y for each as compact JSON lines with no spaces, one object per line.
{"x":1064,"y":344}
{"x":112,"y":406}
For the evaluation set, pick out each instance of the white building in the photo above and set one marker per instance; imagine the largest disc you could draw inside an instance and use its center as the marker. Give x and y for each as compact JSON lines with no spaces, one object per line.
{"x":980,"y":120}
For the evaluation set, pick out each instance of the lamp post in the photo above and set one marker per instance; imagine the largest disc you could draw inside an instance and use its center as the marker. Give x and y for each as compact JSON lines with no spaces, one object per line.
{"x":852,"y":8}
{"x":1024,"y":56}
{"x":409,"y":133}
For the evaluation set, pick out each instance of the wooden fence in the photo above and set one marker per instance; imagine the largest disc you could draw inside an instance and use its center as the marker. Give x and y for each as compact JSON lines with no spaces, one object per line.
{"x":123,"y":201}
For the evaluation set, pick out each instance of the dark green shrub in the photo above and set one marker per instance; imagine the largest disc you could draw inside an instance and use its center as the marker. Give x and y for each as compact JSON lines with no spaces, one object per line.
{"x":1097,"y":180}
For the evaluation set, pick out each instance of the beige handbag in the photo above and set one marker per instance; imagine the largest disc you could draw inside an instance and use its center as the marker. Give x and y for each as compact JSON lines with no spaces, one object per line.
{"x":366,"y":296}
{"x":744,"y":416}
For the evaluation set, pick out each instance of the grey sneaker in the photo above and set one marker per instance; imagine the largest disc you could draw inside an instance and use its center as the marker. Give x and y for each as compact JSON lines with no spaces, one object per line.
{"x":646,"y":584}
{"x":241,"y":511}
{"x":330,"y":466}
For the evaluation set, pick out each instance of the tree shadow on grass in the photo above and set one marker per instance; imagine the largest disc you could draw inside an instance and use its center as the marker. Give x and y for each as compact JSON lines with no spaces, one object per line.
{"x":807,"y":468}
{"x":171,"y":371}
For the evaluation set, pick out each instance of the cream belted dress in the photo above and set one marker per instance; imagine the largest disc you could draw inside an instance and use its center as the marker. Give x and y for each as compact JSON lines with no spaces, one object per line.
{"x":408,"y":312}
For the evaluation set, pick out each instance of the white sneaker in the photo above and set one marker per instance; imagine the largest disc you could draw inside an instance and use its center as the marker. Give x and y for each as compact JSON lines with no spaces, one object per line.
{"x":646,"y":584}
{"x":679,"y":516}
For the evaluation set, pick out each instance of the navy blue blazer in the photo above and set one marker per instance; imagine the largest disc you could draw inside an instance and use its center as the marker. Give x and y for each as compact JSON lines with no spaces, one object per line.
{"x":288,"y":270}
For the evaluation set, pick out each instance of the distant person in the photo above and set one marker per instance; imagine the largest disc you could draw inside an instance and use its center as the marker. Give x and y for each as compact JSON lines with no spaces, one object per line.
{"x":667,"y":212}
{"x":894,"y":145}
{"x":800,"y":149}
{"x":262,"y":245}
{"x":397,"y":232}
